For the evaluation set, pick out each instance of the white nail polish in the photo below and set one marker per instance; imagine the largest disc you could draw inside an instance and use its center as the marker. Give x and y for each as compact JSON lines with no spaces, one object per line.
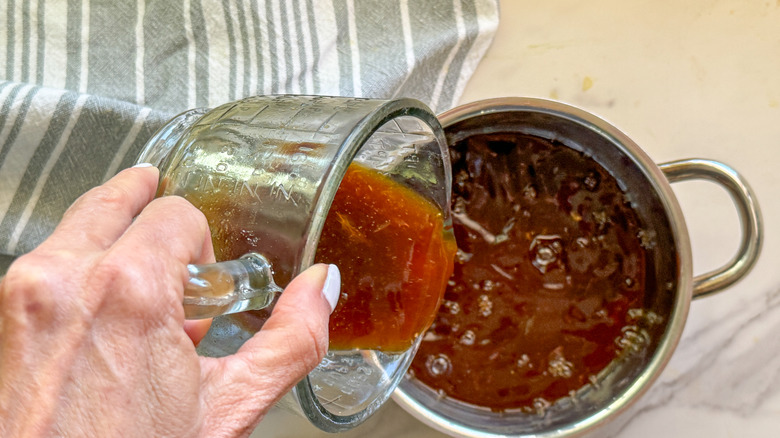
{"x":144,"y":165}
{"x":332,"y":287}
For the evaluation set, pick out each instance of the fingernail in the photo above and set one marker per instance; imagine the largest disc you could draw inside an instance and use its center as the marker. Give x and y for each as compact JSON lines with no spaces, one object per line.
{"x":144,"y":165}
{"x":332,"y":287}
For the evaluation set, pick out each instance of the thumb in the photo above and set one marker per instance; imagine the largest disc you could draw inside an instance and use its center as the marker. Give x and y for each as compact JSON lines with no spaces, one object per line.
{"x":291,"y":343}
{"x":295,"y":338}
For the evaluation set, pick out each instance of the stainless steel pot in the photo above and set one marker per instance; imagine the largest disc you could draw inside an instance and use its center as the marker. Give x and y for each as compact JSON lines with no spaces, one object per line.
{"x":671,"y":284}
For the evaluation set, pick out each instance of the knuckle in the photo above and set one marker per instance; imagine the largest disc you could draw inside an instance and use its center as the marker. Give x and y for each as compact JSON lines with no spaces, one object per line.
{"x":310,"y":345}
{"x":107,"y":194}
{"x":182,"y":209}
{"x":135,"y":284}
{"x":29,"y":286}
{"x":320,"y":348}
{"x":110,"y":271}
{"x":119,"y":277}
{"x":115,"y":277}
{"x":97,"y":199}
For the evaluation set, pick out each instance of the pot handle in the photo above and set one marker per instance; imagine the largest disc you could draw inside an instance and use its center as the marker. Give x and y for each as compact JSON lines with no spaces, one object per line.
{"x":229,"y":287}
{"x":749,"y":216}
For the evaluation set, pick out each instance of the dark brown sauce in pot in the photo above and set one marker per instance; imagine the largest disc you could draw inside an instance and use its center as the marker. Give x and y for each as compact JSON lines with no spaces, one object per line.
{"x":549,"y":274}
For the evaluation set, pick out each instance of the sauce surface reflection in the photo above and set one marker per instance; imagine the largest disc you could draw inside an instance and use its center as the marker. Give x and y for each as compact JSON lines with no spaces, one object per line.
{"x":548,"y":281}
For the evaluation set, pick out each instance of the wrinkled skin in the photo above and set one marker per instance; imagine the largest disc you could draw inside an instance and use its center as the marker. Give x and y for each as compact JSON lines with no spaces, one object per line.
{"x":93,"y":340}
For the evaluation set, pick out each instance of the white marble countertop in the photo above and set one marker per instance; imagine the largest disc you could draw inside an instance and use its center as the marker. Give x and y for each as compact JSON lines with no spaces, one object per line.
{"x":693,"y":78}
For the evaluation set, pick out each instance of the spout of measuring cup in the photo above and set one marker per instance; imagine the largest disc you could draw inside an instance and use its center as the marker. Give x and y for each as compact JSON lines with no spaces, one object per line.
{"x":229,"y":287}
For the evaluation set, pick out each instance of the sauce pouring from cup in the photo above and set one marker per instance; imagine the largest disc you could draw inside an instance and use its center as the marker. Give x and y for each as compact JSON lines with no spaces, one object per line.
{"x":387,"y":240}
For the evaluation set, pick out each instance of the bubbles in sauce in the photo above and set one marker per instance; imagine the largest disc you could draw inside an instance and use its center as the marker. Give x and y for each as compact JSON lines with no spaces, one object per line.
{"x":549,"y":276}
{"x":439,"y":365}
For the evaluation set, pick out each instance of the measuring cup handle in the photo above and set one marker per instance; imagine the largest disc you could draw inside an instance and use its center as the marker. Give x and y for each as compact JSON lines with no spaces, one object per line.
{"x":749,"y":216}
{"x":229,"y":287}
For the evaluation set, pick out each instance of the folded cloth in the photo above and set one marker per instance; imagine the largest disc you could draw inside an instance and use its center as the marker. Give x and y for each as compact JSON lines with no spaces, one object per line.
{"x":87,"y":83}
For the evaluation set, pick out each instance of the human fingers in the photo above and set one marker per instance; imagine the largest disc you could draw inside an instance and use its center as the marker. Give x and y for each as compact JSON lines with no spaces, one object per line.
{"x":100,"y":216}
{"x":52,"y":278}
{"x":86,"y":332}
{"x":242,"y":387}
{"x":152,"y":256}
{"x":47,"y":291}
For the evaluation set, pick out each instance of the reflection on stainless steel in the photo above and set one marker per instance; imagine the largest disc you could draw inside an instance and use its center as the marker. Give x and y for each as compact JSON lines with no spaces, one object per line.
{"x":749,"y":217}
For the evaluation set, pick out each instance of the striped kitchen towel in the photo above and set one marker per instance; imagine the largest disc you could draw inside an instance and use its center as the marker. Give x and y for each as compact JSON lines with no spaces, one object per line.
{"x":85,"y":83}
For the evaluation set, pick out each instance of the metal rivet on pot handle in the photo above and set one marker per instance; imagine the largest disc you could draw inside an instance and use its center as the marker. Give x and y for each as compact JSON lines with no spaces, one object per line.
{"x":749,"y":216}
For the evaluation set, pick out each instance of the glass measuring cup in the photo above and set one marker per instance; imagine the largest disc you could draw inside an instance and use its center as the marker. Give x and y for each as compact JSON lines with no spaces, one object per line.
{"x":278,"y":161}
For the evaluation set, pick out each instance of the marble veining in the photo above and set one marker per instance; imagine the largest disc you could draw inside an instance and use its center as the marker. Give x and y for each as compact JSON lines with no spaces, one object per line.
{"x":730,"y":367}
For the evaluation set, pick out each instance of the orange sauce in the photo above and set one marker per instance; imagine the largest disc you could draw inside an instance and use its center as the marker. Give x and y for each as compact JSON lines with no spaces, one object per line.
{"x":395,"y":260}
{"x":389,"y":243}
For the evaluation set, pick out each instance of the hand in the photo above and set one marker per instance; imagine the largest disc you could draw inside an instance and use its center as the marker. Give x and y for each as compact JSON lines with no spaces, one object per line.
{"x":93,"y":340}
